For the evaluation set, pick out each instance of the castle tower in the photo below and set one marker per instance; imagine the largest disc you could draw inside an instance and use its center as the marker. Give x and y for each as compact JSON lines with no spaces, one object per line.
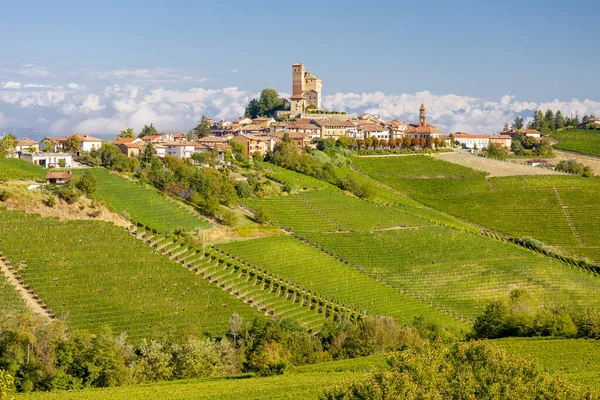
{"x":422,"y":115}
{"x":298,"y":79}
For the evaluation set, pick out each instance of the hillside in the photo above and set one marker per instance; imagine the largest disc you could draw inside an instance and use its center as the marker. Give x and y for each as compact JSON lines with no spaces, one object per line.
{"x":559,"y":210}
{"x":14,"y":168}
{"x":584,"y":141}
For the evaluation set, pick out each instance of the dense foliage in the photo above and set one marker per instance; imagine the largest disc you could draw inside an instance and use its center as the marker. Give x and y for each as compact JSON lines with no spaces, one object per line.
{"x":574,"y":167}
{"x":463,"y":371}
{"x":266,"y":105}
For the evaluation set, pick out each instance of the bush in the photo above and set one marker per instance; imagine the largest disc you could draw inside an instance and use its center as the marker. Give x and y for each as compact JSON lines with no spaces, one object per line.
{"x":4,"y":195}
{"x":262,"y":215}
{"x":87,"y":184}
{"x":51,"y":201}
{"x":463,"y":371}
{"x":228,"y":218}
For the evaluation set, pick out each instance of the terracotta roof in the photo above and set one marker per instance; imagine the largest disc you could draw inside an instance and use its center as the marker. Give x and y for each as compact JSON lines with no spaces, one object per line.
{"x":26,"y":142}
{"x":58,"y":175}
{"x":213,"y":139}
{"x":57,"y":140}
{"x":423,"y":129}
{"x":125,"y":140}
{"x":130,"y":145}
{"x":372,"y":128}
{"x":178,"y":135}
{"x":530,"y":131}
{"x":470,"y":136}
{"x":252,"y":127}
{"x":396,"y":123}
{"x":293,"y":135}
{"x":303,"y":126}
{"x":149,"y":138}
{"x":333,"y":122}
{"x":87,"y":138}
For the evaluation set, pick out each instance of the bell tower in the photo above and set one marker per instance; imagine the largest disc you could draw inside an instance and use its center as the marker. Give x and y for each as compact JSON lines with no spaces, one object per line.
{"x":297,"y":79}
{"x":422,"y":115}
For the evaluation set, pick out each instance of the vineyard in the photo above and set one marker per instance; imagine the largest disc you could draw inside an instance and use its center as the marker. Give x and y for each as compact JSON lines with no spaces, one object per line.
{"x":312,"y":268}
{"x":10,"y":301}
{"x":412,"y":167}
{"x":582,"y":141}
{"x":143,"y":204}
{"x":14,"y":168}
{"x":560,"y":210}
{"x":94,"y":273}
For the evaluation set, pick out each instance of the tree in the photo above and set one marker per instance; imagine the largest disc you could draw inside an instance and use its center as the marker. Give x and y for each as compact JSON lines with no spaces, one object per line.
{"x":559,"y":120}
{"x":252,"y":109}
{"x":47,"y":145}
{"x":87,"y":183}
{"x":406,"y":142}
{"x":392,"y":143}
{"x":549,"y":120}
{"x":203,"y":128}
{"x":6,"y":384}
{"x":344,"y":142}
{"x":148,"y":153}
{"x":262,"y":215}
{"x":7,"y":144}
{"x":517,"y":123}
{"x":266,"y":105}
{"x":505,"y":127}
{"x":127,"y":133}
{"x":74,"y":143}
{"x":368,"y":142}
{"x":375,"y":141}
{"x":147,"y":130}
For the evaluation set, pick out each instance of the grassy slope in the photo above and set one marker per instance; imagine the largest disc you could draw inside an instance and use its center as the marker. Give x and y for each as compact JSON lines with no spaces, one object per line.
{"x":306,"y":382}
{"x":575,"y":359}
{"x":583,"y":141}
{"x":144,"y":204}
{"x":14,"y":168}
{"x":95,"y":273}
{"x":518,"y":206}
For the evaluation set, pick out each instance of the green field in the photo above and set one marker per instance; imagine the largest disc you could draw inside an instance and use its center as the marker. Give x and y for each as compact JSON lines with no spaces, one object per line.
{"x":518,"y":206}
{"x":577,"y":360}
{"x":311,"y":268}
{"x":10,"y":300}
{"x":95,"y":273}
{"x":143,"y":204}
{"x":412,"y":167}
{"x":584,"y":141}
{"x":305,"y":382}
{"x":14,"y":168}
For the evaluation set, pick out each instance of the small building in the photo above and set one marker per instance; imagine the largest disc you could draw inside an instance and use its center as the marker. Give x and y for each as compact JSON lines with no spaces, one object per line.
{"x":537,"y":163}
{"x":254,"y":144}
{"x":58,"y":178}
{"x":26,"y":145}
{"x":592,"y":121}
{"x":397,"y":128}
{"x":334,"y":128}
{"x":152,"y":139}
{"x":49,"y":160}
{"x":471,"y":141}
{"x":131,"y":147}
{"x":312,"y":130}
{"x":503,"y":140}
{"x":373,"y":131}
{"x":180,"y":149}
{"x":300,"y":139}
{"x":532,"y":133}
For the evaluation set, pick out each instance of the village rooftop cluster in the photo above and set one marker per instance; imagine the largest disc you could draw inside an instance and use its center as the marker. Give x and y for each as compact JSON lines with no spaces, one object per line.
{"x":301,"y":119}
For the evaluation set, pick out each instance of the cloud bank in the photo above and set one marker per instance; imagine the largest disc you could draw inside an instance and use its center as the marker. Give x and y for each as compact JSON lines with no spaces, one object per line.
{"x":73,"y":107}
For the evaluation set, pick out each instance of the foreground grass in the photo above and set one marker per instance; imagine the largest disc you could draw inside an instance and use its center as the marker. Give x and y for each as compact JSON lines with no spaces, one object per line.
{"x":584,"y":141}
{"x":305,"y":382}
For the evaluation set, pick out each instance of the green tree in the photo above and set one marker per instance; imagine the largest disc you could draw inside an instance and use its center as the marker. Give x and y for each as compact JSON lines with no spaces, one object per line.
{"x":270,"y":359}
{"x":252,"y":109}
{"x":74,"y":143}
{"x":559,"y":120}
{"x":505,"y":127}
{"x":148,"y":153}
{"x":368,"y":142}
{"x":344,"y":142}
{"x":147,"y":130}
{"x":549,"y":120}
{"x":7,"y":144}
{"x":7,"y":383}
{"x":47,"y":145}
{"x":262,"y":215}
{"x":517,"y":123}
{"x":203,"y":128}
{"x":266,"y":105}
{"x":127,"y":133}
{"x":87,"y":184}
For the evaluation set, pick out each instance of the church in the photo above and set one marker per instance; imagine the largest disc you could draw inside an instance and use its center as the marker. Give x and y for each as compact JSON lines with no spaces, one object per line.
{"x":423,"y":130}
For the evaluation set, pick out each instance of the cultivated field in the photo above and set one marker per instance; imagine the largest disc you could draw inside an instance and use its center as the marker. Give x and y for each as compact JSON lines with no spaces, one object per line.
{"x":143,"y":204}
{"x":14,"y":168}
{"x":95,"y":273}
{"x":582,"y":141}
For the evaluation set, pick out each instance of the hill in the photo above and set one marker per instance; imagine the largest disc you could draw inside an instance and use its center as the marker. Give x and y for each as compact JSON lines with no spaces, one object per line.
{"x":14,"y":168}
{"x":584,"y":141}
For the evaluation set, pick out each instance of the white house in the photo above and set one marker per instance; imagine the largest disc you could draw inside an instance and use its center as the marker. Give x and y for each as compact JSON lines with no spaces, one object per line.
{"x":374,"y":131}
{"x":25,"y":145}
{"x":49,"y":160}
{"x":88,"y":143}
{"x":180,"y":149}
{"x":469,"y":141}
{"x":397,"y":128}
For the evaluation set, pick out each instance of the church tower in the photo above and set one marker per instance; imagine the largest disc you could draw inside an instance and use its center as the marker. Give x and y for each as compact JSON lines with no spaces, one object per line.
{"x":422,"y":115}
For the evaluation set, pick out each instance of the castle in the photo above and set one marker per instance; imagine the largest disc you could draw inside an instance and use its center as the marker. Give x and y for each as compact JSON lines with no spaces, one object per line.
{"x":306,"y":90}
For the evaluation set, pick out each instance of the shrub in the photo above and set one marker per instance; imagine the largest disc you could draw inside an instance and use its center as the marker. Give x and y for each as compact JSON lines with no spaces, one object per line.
{"x":262,"y":215}
{"x":51,"y":201}
{"x":228,"y":218}
{"x":4,"y":195}
{"x":270,"y":359}
{"x":465,"y":370}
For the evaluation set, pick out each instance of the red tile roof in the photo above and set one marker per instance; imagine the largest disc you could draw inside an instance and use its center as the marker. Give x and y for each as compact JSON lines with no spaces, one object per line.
{"x":58,"y":175}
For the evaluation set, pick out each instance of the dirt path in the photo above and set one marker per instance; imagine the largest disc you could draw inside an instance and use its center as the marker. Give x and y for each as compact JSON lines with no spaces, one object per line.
{"x":493,"y":167}
{"x":32,"y":304}
{"x":591,"y":161}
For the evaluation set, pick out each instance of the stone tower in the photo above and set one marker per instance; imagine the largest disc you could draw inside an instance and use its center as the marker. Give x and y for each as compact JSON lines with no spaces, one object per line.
{"x":422,"y":115}
{"x":298,"y":79}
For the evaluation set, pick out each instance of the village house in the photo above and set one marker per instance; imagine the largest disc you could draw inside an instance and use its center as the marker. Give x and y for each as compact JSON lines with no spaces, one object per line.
{"x":472,"y":141}
{"x":334,"y":128}
{"x":131,"y":147}
{"x":152,"y":139}
{"x":222,"y":124}
{"x":537,"y":163}
{"x":58,"y":178}
{"x":173,"y":136}
{"x":49,"y":159}
{"x":371,"y":130}
{"x":278,"y":127}
{"x":183,"y":150}
{"x":27,"y":146}
{"x":254,"y":144}
{"x":160,"y":149}
{"x":397,"y":128}
{"x":592,"y":121}
{"x":251,"y":129}
{"x":423,"y":130}
{"x":312,"y":130}
{"x":88,"y":143}
{"x":300,"y":139}
{"x":219,"y":148}
{"x":532,"y":133}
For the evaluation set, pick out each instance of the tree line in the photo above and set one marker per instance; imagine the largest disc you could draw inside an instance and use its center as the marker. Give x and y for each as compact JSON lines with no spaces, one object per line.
{"x":549,"y":122}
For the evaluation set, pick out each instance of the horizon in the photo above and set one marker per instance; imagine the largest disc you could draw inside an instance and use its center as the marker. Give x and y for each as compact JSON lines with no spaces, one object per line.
{"x":64,"y":72}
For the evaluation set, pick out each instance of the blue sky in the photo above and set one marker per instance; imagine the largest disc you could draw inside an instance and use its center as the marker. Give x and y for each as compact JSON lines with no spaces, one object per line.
{"x":70,"y":65}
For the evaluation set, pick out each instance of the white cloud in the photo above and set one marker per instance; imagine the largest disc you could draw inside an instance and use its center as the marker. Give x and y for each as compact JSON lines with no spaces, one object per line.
{"x":32,"y":70}
{"x":11,"y":85}
{"x":235,"y":70}
{"x":36,"y":86}
{"x":75,"y":86}
{"x":91,"y":103}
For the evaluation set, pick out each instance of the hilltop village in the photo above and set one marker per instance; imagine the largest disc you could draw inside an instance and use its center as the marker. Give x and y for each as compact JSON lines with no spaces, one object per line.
{"x":301,"y":118}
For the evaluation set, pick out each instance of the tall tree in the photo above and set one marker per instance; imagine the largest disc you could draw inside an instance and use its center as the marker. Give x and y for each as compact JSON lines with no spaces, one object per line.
{"x":505,"y":127}
{"x":203,"y":128}
{"x":559,"y":120}
{"x":252,"y":109}
{"x":147,"y":130}
{"x":127,"y":133}
{"x":266,"y":105}
{"x":7,"y":144}
{"x":549,"y":120}
{"x":517,"y":123}
{"x":147,"y":153}
{"x":74,"y":143}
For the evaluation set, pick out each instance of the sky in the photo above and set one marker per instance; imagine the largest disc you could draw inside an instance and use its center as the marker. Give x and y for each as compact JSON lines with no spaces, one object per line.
{"x":70,"y":66}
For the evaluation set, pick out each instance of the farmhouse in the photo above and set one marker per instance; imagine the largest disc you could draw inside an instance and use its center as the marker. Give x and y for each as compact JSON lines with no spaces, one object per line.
{"x":49,"y":160}
{"x":26,"y":145}
{"x":58,"y":178}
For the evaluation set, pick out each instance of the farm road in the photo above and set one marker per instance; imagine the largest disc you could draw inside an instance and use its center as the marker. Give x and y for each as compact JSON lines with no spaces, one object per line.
{"x":493,"y":167}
